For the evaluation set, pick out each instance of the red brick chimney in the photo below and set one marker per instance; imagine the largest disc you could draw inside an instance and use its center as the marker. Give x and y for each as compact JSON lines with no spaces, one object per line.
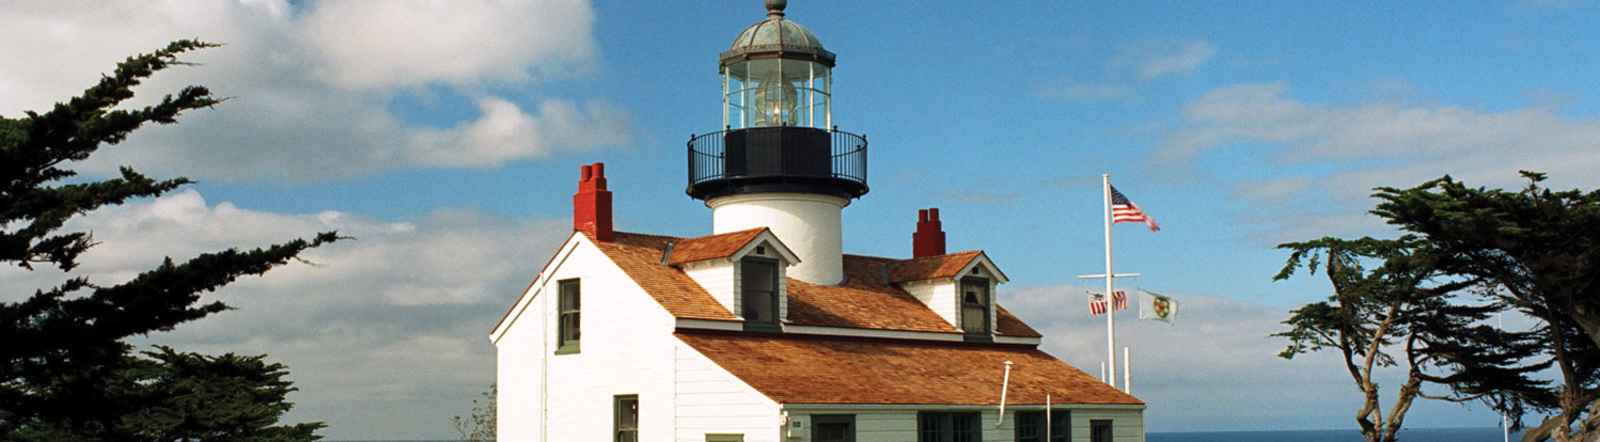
{"x":929,"y":238}
{"x":591,"y":206}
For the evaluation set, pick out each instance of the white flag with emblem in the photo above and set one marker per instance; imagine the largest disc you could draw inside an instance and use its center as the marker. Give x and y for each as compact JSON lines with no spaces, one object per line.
{"x":1157,"y":307}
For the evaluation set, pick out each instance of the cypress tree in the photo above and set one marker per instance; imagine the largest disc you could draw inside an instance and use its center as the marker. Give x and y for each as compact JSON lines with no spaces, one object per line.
{"x":67,"y":371}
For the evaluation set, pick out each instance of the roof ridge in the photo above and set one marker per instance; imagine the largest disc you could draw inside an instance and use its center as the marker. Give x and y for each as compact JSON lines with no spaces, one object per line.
{"x":652,"y":235}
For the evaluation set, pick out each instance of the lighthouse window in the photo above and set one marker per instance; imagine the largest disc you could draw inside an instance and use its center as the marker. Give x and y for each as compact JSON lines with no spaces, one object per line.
{"x":758,"y":291}
{"x":567,"y":323}
{"x":975,"y":304}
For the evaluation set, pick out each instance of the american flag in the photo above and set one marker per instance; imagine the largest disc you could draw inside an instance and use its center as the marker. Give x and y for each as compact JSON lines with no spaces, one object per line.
{"x":1124,"y":210}
{"x":1097,"y":302}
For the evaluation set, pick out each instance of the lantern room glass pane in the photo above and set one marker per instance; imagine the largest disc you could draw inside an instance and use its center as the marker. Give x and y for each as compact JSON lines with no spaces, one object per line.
{"x":777,"y":92}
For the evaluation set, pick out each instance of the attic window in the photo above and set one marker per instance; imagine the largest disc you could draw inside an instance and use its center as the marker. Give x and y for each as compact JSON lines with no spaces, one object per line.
{"x":761,"y":250}
{"x":758,"y":292}
{"x":975,"y":306}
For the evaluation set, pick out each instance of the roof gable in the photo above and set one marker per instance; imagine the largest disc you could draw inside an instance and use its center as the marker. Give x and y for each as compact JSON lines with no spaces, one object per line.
{"x":944,"y":266}
{"x":731,"y":245}
{"x":827,"y":370}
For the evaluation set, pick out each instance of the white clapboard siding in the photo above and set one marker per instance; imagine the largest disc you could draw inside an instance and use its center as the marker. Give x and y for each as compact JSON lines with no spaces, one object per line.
{"x":518,"y":367}
{"x":878,"y":425}
{"x":626,"y":350}
{"x":712,"y":400}
{"x":718,"y":278}
{"x":940,"y":296}
{"x":1126,"y":425}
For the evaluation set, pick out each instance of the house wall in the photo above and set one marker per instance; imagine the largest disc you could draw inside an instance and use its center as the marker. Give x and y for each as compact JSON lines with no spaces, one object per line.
{"x":719,"y":279}
{"x":876,"y":424}
{"x":627,"y":348}
{"x":939,"y":296}
{"x":712,"y":400}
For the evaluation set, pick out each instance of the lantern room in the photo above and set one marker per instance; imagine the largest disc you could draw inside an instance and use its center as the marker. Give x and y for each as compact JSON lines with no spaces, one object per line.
{"x":776,"y":74}
{"x":778,"y":132}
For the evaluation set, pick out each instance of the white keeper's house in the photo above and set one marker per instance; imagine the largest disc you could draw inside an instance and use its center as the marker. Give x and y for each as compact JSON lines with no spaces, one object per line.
{"x":765,"y":330}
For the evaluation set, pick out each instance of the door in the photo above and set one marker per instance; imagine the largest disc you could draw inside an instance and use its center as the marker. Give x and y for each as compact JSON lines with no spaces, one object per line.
{"x":833,"y":428}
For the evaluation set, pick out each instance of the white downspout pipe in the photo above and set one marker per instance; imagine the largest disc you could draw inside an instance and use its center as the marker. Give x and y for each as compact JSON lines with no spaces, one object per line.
{"x":1005,"y":382}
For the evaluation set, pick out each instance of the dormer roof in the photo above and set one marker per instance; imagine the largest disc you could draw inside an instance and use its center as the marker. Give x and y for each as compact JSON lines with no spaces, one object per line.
{"x":945,"y":266}
{"x":726,"y":246}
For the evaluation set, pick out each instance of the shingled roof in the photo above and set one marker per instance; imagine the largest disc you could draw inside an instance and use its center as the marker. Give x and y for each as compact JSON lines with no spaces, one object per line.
{"x":639,"y":256}
{"x":867,"y":298}
{"x":932,"y":267}
{"x":712,"y":247}
{"x":794,"y":369}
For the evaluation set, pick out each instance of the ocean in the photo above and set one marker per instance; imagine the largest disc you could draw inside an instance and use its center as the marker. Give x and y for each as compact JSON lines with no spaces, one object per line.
{"x":1406,"y":435}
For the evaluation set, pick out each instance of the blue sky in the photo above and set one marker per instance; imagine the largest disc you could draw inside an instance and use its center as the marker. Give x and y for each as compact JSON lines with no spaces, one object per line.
{"x":457,"y":130}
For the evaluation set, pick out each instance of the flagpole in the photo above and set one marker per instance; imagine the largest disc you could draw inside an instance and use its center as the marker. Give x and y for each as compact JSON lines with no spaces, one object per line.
{"x":1111,"y":310}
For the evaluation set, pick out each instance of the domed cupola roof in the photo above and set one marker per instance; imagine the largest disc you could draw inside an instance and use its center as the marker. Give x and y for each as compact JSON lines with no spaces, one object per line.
{"x":777,"y":36}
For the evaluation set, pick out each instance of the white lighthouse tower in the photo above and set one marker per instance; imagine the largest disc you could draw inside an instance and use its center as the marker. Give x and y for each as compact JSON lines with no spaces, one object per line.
{"x":779,"y":161}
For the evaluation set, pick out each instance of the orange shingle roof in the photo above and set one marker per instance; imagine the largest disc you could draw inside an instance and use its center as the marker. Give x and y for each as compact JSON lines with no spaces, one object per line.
{"x":639,"y":256}
{"x":932,"y":267}
{"x":712,"y":247}
{"x":829,"y":370}
{"x":1007,"y":324}
{"x":866,"y":299}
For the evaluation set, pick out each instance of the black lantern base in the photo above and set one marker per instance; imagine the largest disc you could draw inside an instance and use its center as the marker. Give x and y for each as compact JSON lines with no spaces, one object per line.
{"x":777,"y":159}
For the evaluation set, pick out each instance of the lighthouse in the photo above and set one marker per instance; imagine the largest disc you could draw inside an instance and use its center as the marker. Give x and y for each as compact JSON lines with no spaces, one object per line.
{"x":764,"y":330}
{"x":780,"y":161}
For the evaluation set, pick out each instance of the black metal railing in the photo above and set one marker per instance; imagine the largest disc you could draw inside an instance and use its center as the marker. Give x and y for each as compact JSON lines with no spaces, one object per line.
{"x":777,"y":152}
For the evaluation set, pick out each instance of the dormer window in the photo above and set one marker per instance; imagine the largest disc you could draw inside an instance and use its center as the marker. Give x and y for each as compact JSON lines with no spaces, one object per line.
{"x":758,"y":292}
{"x":975,"y":306}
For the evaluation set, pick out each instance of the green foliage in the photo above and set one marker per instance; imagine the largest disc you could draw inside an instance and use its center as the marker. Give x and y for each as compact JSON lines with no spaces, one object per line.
{"x":1389,"y":296}
{"x":1538,"y":250}
{"x":480,"y":424}
{"x":66,"y":371}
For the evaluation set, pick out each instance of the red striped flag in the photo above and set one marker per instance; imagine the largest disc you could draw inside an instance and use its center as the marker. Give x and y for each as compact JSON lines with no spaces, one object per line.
{"x":1123,"y":210}
{"x":1097,"y":302}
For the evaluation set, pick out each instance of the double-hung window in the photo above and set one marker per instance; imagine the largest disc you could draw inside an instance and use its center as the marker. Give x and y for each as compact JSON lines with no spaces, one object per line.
{"x":975,"y":305}
{"x":758,"y":292}
{"x":1100,"y":430}
{"x":626,"y":422}
{"x":567,"y":320}
{"x":936,"y":426}
{"x":1030,"y":426}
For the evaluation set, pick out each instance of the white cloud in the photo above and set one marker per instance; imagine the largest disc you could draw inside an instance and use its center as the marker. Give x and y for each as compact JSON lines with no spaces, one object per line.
{"x":1215,"y":368}
{"x":385,"y":334}
{"x":311,"y":86}
{"x":1157,"y":59}
{"x":391,"y":43}
{"x":505,"y":132}
{"x":1383,"y":144}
